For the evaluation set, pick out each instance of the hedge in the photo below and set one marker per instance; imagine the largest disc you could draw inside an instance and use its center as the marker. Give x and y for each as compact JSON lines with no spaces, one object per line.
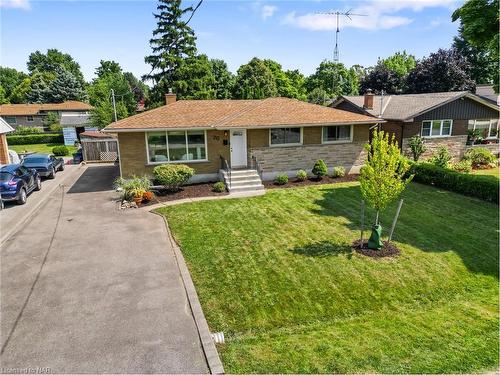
{"x":30,"y":139}
{"x":480,"y":186}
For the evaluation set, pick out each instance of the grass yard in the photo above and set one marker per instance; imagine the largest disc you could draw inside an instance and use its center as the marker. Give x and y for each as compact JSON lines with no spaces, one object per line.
{"x":277,"y":275}
{"x":491,"y":172}
{"x":43,"y":148}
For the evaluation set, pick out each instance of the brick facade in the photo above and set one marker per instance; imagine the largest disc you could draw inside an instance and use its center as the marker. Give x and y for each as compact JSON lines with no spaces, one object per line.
{"x":351,"y":155}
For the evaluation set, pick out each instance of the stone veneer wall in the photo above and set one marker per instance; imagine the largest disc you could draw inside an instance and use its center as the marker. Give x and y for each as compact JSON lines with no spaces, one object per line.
{"x":455,"y":145}
{"x":287,"y":159}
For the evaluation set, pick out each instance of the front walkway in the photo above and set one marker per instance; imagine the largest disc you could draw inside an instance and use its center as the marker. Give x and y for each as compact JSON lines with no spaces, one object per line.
{"x":88,"y":288}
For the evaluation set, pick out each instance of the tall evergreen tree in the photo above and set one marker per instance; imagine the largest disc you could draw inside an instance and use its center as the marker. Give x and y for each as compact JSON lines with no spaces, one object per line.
{"x":39,"y":88}
{"x":173,"y":41}
{"x":65,"y":87}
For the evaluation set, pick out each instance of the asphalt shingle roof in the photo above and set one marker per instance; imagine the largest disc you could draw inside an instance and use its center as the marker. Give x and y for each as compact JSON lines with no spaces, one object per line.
{"x":33,"y":109}
{"x":238,"y":113}
{"x":402,"y":107}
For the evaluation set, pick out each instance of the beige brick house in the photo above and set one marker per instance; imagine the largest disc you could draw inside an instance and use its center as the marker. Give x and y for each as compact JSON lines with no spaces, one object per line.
{"x":273,"y":135}
{"x":442,"y":118}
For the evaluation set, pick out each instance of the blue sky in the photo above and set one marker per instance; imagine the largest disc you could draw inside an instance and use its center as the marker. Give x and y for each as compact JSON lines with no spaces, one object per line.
{"x":290,"y":32}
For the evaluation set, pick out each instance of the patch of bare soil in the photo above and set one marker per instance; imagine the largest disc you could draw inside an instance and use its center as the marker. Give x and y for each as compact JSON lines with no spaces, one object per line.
{"x":311,"y":181}
{"x":388,"y":250}
{"x":188,"y":191}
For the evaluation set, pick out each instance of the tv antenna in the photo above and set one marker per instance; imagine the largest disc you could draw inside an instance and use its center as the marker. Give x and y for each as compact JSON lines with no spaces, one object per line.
{"x":337,"y":15}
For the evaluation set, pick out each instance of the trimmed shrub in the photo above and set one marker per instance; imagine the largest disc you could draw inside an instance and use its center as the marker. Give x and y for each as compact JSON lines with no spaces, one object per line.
{"x":417,"y":146}
{"x":281,"y":179}
{"x":480,"y":186}
{"x":338,"y":171}
{"x":301,"y":175}
{"x":441,"y":157}
{"x":173,"y":176}
{"x":25,"y":130}
{"x":463,"y":166}
{"x":60,"y":151}
{"x":55,"y":128}
{"x":34,"y":139}
{"x":219,"y":187}
{"x":320,"y":169}
{"x":480,"y":157}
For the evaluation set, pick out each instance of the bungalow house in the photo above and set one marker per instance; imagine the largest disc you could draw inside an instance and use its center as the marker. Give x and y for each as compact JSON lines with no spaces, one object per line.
{"x":34,"y":114}
{"x":270,"y":136}
{"x":443,"y":118}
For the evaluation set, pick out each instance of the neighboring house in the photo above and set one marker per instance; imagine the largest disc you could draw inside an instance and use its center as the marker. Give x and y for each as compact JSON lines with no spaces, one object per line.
{"x":486,"y":91}
{"x":271,"y":135}
{"x":74,"y":124}
{"x":4,"y":148}
{"x":35,"y":114}
{"x":442,"y":118}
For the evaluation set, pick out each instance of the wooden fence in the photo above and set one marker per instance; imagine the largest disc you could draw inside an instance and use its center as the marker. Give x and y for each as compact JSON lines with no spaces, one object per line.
{"x":100,"y":150}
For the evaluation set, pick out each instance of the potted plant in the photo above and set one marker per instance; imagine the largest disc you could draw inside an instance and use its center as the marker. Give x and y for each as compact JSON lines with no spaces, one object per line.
{"x":147,"y":196}
{"x":138,"y":194}
{"x":473,"y":135}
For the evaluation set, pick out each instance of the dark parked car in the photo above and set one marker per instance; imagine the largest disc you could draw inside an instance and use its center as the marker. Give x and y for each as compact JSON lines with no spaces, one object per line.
{"x":46,"y":165}
{"x":17,"y":181}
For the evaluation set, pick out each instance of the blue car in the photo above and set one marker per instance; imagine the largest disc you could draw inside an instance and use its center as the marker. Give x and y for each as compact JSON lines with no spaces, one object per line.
{"x":46,"y":165}
{"x":17,"y":181}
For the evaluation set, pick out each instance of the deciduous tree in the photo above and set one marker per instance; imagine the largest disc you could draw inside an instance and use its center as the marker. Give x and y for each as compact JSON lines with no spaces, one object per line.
{"x":224,"y":79}
{"x":51,"y":61}
{"x":255,"y":81}
{"x":9,"y":79}
{"x":334,"y":78}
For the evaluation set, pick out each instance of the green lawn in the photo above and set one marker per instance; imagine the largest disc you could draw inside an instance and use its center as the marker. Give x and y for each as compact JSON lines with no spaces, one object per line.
{"x":492,"y":172}
{"x":43,"y":148}
{"x":277,"y":275}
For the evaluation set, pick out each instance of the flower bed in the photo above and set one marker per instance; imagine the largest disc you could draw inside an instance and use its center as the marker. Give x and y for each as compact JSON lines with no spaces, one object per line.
{"x":293,"y":182}
{"x":188,"y":191}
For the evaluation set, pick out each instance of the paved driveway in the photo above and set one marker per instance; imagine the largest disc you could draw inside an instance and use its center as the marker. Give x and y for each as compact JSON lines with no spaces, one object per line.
{"x":87,"y":288}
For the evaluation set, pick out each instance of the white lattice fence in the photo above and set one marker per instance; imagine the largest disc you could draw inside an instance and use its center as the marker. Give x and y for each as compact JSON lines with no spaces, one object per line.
{"x":100,"y":150}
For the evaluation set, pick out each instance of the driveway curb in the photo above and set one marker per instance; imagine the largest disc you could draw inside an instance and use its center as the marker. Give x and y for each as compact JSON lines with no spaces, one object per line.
{"x":212,"y":356}
{"x":38,"y":205}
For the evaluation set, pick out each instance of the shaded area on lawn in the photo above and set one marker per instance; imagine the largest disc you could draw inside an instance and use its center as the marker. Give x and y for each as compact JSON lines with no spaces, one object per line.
{"x":448,"y":233}
{"x":272,"y":272}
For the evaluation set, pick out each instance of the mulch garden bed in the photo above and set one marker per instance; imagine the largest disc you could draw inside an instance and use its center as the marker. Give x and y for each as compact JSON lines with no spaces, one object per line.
{"x":188,"y":191}
{"x":388,"y":250}
{"x":311,"y":181}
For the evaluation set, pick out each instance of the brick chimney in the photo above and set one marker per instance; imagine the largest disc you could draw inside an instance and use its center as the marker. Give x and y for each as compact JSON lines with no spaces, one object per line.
{"x":170,"y":97}
{"x":368,"y":102}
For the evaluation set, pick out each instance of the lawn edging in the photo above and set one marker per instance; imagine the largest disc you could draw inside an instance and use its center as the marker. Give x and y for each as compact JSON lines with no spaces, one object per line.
{"x":211,"y":354}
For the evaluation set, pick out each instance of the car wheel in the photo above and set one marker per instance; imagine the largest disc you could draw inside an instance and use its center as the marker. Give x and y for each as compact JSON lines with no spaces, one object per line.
{"x":61,"y":168}
{"x":38,"y":184}
{"x":22,"y":196}
{"x":52,"y":173}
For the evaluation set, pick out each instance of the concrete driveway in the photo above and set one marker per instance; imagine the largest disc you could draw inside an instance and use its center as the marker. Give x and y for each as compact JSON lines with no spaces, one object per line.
{"x":87,"y":288}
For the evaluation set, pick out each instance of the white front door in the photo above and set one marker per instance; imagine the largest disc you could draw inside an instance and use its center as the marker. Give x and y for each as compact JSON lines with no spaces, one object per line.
{"x":238,"y":143}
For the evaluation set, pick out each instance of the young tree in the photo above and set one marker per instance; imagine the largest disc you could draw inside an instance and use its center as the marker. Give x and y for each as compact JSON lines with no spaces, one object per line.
{"x":224,"y":79}
{"x":444,"y":70}
{"x":255,"y":81}
{"x":382,"y":178}
{"x":173,"y":41}
{"x":65,"y":87}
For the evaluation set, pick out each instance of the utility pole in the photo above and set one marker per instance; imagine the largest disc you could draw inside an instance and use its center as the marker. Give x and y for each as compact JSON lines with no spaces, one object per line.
{"x":114,"y":103}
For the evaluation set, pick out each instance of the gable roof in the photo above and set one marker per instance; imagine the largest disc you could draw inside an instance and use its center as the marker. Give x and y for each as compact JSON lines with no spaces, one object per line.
{"x":36,"y":108}
{"x":5,"y":127}
{"x":270,"y":112}
{"x":405,"y":107}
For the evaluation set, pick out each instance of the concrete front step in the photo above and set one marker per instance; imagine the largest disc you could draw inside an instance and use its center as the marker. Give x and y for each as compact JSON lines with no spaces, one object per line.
{"x":239,"y":189}
{"x":246,"y":182}
{"x":243,"y":181}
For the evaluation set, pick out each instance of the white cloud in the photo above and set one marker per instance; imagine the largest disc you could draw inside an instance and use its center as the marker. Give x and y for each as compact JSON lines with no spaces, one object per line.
{"x":15,"y":4}
{"x":380,"y":14}
{"x":267,"y":11}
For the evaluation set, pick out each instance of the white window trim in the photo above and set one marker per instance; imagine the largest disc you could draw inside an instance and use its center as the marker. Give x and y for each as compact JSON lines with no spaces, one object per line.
{"x":440,"y":129}
{"x":287,"y":144}
{"x":339,"y":141}
{"x":489,"y":128}
{"x":28,"y":119}
{"x":148,"y":162}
